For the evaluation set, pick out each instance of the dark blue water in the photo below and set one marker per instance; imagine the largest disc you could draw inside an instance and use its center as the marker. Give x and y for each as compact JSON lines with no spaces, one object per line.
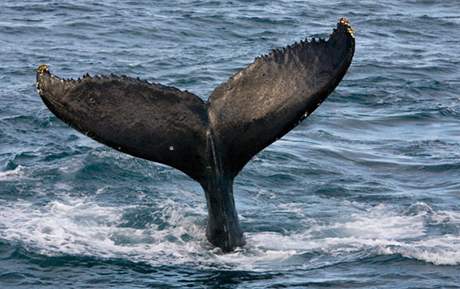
{"x":363,"y":194}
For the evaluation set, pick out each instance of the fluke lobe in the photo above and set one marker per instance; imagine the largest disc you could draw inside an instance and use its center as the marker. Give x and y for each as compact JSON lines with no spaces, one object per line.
{"x":209,"y":141}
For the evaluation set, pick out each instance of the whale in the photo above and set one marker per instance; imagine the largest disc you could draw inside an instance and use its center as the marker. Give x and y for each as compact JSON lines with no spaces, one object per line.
{"x":210,"y":141}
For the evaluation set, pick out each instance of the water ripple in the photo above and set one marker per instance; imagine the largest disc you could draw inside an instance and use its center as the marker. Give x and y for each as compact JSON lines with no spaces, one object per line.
{"x":362,"y":194}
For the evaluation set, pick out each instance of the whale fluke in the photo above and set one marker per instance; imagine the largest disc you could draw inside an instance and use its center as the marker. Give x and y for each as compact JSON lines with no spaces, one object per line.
{"x":150,"y":121}
{"x":264,"y":101}
{"x":209,"y":141}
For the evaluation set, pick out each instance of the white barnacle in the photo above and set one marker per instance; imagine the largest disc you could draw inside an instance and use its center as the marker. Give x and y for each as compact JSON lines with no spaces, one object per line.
{"x":351,"y":32}
{"x":171,"y":148}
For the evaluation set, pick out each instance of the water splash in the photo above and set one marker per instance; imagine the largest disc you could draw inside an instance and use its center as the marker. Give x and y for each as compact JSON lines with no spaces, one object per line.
{"x":83,"y":227}
{"x":14,"y":174}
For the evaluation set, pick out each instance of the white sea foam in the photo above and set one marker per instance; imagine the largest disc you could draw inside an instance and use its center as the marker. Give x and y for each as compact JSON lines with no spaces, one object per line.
{"x":12,"y":174}
{"x":84,"y":227}
{"x":378,"y":231}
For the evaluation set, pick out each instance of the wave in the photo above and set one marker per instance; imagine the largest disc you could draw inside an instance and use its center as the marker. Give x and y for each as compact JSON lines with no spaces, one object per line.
{"x":82,"y":227}
{"x":12,"y":174}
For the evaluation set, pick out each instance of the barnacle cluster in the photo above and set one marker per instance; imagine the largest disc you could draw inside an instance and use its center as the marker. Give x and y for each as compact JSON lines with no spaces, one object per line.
{"x":345,"y":22}
{"x":42,"y":69}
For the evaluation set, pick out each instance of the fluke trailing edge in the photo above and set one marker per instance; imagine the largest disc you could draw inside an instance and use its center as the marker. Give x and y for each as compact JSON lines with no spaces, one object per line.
{"x":209,"y":141}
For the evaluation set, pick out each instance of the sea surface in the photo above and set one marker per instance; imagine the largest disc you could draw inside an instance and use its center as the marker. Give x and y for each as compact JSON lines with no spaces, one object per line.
{"x":365,"y":193}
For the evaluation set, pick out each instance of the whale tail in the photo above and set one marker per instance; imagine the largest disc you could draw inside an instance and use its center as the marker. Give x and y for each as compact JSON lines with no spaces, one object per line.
{"x":209,"y":141}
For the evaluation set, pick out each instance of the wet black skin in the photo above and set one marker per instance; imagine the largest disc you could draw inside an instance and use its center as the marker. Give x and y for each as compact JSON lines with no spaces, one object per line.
{"x":209,"y":141}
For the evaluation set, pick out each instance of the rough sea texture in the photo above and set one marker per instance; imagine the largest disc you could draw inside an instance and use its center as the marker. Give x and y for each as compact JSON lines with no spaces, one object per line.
{"x":363,"y":194}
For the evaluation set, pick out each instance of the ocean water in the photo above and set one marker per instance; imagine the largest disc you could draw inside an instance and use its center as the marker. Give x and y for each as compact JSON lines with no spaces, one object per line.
{"x":365,"y":193}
